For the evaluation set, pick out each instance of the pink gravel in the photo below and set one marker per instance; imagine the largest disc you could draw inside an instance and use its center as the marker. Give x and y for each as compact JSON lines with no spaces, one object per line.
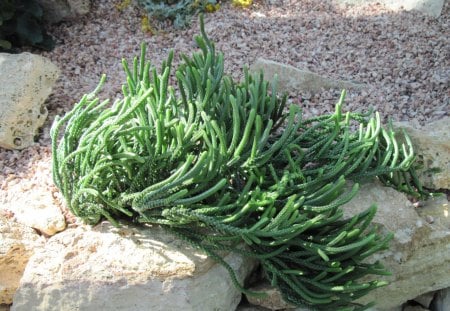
{"x":403,"y":58}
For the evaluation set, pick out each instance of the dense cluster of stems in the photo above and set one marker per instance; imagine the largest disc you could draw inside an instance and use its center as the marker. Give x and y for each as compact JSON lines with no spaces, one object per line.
{"x":231,"y":166}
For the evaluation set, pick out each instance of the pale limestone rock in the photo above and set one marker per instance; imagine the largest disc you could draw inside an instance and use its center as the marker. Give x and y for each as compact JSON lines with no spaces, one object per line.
{"x":429,"y":7}
{"x":128,"y":268}
{"x":273,"y":301}
{"x":415,"y":308}
{"x":249,"y":307}
{"x":291,"y":78}
{"x":432,"y":145}
{"x":438,"y":210}
{"x":419,"y":254}
{"x":425,"y":299}
{"x":4,"y":307}
{"x":17,"y":244}
{"x":26,"y":81}
{"x":442,"y":300}
{"x":58,"y":10}
{"x":35,"y":209}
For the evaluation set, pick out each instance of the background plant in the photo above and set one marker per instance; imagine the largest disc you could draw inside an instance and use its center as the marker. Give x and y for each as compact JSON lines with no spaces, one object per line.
{"x":179,"y":12}
{"x":221,"y":164}
{"x":21,"y":24}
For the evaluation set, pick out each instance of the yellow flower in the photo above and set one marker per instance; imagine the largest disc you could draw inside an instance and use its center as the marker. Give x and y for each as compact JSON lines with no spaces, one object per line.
{"x":211,"y":7}
{"x":145,"y":25}
{"x":242,"y":3}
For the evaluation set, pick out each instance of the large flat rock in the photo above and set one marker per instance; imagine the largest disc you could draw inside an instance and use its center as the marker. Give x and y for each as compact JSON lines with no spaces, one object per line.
{"x":291,"y":78}
{"x":106,"y":268}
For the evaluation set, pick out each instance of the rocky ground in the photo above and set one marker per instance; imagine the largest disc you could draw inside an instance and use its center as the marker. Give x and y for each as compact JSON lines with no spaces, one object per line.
{"x":402,"y":57}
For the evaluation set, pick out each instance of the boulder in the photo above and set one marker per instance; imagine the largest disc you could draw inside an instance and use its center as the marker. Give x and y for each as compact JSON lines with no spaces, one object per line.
{"x":58,"y":10}
{"x":291,"y":78}
{"x":442,"y":300}
{"x":35,"y":209}
{"x":418,"y":255}
{"x":432,"y":145}
{"x":127,"y":268}
{"x":425,"y":299}
{"x":429,"y":7}
{"x":25,"y":83}
{"x":17,"y":244}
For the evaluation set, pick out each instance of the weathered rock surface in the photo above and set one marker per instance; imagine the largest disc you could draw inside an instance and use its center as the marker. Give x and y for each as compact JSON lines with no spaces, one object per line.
{"x":291,"y":78}
{"x":428,"y":7}
{"x":17,"y":244}
{"x":419,"y":254}
{"x":4,"y":307}
{"x":425,"y":299}
{"x":249,"y":307}
{"x":432,"y":145}
{"x":34,"y":209}
{"x":414,"y":308}
{"x":26,"y":81}
{"x":58,"y":10}
{"x":418,"y":257}
{"x":107,"y":268}
{"x":436,"y":211}
{"x":273,"y":301}
{"x":442,"y":300}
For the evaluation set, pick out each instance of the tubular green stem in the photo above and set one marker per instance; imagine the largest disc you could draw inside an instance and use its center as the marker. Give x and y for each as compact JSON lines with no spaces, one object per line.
{"x":219,"y":162}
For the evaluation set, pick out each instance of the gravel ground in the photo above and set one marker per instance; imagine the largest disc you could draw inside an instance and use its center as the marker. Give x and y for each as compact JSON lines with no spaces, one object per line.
{"x":403,"y":58}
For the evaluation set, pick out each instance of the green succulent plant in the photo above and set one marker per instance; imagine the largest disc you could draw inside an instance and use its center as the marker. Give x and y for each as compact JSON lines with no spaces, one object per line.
{"x":180,"y":12}
{"x":21,"y":24}
{"x":221,"y":164}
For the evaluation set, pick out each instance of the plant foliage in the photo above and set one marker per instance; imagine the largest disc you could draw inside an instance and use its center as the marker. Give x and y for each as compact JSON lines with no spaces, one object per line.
{"x":221,"y":163}
{"x":21,"y":24}
{"x":180,"y":12}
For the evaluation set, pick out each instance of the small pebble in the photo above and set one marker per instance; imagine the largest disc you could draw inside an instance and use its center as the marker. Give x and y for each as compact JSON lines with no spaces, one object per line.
{"x":418,"y":204}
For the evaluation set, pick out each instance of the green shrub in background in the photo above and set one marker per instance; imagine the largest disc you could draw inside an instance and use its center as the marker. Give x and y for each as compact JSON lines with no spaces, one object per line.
{"x":21,"y":24}
{"x":180,"y":12}
{"x":223,"y":164}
